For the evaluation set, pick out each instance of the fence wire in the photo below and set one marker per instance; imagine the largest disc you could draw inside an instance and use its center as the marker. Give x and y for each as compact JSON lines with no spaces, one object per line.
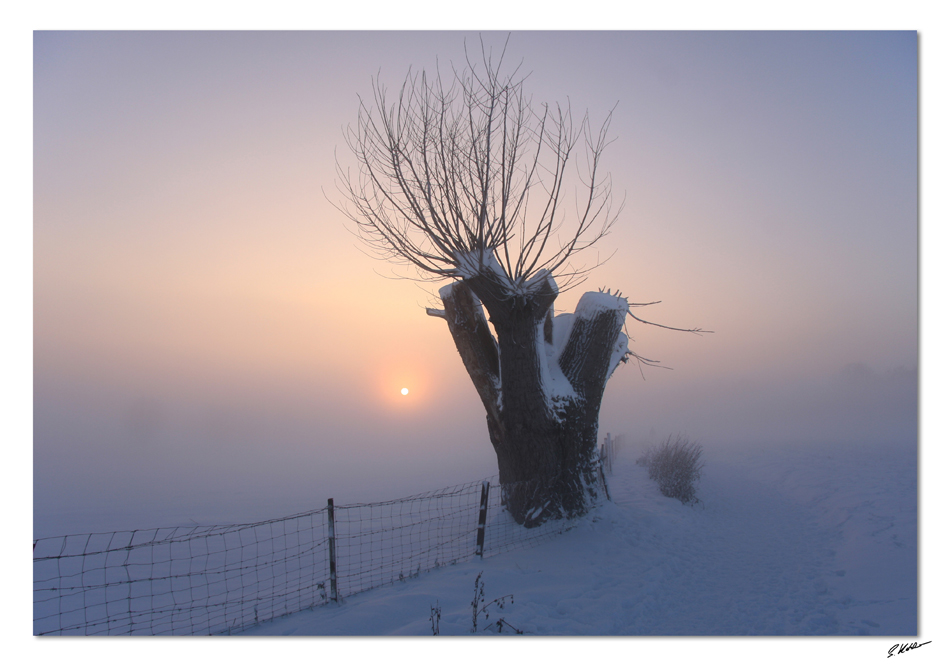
{"x":385,"y":542}
{"x":199,"y":580}
{"x":219,"y":579}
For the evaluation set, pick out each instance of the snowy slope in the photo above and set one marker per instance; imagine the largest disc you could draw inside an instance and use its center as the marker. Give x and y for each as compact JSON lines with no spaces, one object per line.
{"x":791,"y":541}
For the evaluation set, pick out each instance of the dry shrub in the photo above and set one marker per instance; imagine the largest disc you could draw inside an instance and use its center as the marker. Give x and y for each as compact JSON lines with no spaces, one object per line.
{"x":675,"y":466}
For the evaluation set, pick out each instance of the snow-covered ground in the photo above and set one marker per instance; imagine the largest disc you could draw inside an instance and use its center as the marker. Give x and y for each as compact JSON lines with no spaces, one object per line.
{"x":803,"y":540}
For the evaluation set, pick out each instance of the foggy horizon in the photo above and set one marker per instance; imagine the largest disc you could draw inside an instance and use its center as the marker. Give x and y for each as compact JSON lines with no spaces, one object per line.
{"x":212,"y":344}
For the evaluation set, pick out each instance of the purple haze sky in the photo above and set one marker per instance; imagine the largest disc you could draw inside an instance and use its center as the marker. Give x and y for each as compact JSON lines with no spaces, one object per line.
{"x":211,"y":343}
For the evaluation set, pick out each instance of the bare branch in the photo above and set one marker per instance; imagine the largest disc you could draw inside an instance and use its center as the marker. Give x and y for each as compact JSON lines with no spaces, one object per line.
{"x":445,"y":172}
{"x":698,"y":331}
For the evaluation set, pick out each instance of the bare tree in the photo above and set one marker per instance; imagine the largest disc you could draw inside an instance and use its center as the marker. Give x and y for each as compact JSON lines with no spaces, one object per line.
{"x":466,"y":181}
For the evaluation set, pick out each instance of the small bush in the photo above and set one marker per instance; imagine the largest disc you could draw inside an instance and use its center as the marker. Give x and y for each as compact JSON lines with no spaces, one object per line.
{"x":675,"y":466}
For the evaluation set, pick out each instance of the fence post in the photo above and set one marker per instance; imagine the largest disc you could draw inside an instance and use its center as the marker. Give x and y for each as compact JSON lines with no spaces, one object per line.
{"x":606,"y":462}
{"x":332,"y":547}
{"x":603,"y":480}
{"x":482,"y":514}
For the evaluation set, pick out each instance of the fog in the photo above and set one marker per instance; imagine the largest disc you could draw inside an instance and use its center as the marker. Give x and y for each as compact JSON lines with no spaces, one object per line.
{"x":212,"y":345}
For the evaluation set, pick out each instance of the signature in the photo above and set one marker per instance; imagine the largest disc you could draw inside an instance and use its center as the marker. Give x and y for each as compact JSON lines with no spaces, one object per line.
{"x":901,"y":648}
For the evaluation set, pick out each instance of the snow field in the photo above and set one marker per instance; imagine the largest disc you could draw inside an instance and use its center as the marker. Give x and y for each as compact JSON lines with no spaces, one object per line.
{"x":790,"y":541}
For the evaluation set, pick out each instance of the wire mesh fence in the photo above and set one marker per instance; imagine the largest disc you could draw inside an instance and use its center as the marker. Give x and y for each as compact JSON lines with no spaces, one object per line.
{"x":385,"y":542}
{"x":219,"y":579}
{"x":198,"y":580}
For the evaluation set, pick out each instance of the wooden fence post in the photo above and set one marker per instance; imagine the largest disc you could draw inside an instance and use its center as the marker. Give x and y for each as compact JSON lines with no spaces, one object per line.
{"x":332,"y":547}
{"x":603,"y":480}
{"x":482,"y":515}
{"x":606,"y":462}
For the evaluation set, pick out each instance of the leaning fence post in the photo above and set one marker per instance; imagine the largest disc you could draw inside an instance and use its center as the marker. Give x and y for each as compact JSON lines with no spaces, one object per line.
{"x":332,"y":547}
{"x":482,"y":514}
{"x":603,"y":480}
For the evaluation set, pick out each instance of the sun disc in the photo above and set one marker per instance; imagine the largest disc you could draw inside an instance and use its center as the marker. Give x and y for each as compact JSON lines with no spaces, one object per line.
{"x":405,"y":391}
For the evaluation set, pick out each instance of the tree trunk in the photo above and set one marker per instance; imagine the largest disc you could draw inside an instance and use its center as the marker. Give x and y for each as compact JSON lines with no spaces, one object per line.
{"x":541,"y":383}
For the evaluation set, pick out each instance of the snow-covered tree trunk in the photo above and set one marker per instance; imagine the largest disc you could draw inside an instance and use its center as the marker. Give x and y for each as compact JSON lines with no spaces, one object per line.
{"x":541,"y":381}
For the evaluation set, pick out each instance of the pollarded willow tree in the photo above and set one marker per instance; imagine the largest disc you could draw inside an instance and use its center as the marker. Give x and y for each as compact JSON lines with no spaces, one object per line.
{"x":466,"y":181}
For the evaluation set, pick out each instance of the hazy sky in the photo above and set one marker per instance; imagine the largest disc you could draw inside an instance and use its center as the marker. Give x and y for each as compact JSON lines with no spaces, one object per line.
{"x":209,"y":338}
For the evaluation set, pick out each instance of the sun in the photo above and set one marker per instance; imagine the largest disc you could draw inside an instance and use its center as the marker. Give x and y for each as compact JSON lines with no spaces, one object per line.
{"x":404,"y":391}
